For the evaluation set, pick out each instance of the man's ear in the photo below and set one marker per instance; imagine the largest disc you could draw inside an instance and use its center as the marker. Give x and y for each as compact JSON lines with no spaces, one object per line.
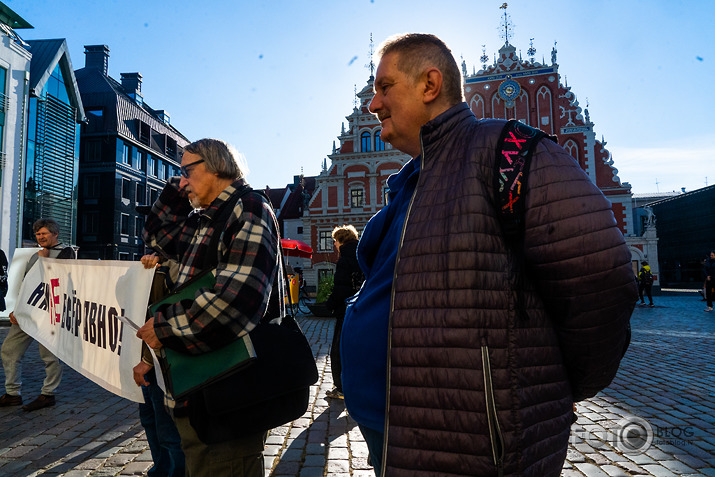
{"x":433,"y":85}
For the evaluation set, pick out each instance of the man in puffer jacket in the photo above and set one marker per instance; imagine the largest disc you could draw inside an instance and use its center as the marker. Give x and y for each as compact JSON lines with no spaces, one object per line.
{"x":462,"y":355}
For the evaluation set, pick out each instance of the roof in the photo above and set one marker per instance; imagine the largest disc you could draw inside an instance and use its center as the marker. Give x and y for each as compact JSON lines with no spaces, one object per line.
{"x":46,"y":54}
{"x":94,"y":82}
{"x":12,"y":19}
{"x":686,"y":194}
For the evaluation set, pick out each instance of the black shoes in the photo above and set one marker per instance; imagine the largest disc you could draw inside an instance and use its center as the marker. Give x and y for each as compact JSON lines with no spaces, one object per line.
{"x":8,"y":400}
{"x":39,"y":403}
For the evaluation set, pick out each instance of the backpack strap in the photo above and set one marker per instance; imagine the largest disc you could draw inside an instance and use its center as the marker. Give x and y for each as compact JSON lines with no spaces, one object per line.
{"x":515,"y":147}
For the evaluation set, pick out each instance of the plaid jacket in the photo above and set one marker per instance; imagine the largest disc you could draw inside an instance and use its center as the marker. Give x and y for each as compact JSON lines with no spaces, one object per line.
{"x":247,"y":265}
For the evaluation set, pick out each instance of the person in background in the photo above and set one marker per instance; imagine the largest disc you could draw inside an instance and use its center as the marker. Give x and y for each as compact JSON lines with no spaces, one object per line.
{"x":645,"y":284}
{"x":347,"y":281}
{"x":16,"y":342}
{"x":709,"y":271}
{"x":463,"y":354}
{"x":161,"y":433}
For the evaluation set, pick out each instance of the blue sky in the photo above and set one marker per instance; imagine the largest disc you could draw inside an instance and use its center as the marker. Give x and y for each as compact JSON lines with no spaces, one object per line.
{"x":277,"y":78}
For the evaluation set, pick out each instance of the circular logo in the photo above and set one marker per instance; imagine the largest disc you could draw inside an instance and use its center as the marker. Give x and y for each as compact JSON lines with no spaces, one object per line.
{"x":634,"y":435}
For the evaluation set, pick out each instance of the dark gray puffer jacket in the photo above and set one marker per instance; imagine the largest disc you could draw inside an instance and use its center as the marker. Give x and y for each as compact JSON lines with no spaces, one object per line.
{"x":475,"y":387}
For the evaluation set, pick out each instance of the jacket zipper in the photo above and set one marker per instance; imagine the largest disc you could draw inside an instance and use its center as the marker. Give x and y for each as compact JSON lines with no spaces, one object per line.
{"x":495,"y":435}
{"x":392,"y":309}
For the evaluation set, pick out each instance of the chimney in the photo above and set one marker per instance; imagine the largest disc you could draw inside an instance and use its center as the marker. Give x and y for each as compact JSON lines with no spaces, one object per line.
{"x":132,"y":83}
{"x":97,"y":57}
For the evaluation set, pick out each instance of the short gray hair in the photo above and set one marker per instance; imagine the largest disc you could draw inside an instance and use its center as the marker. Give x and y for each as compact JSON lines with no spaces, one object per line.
{"x":419,"y":51}
{"x":50,"y":224}
{"x":219,"y":157}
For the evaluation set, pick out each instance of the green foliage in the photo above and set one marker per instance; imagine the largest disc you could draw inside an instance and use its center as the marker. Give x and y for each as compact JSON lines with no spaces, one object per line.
{"x":325,"y":288}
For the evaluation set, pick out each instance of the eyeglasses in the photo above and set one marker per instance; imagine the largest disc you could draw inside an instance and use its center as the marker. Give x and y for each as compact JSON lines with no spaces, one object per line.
{"x":185,"y":169}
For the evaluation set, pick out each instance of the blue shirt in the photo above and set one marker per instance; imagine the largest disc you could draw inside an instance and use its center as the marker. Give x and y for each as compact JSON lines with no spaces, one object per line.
{"x":363,"y":348}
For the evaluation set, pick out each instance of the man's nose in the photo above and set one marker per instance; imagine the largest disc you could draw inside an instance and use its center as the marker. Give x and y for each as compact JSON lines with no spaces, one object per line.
{"x":374,"y":105}
{"x":183,"y":182}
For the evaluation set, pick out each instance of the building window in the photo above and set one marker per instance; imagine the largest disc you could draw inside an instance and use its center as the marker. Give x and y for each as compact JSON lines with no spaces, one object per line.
{"x":93,"y":151}
{"x":138,"y":226}
{"x":299,"y":230}
{"x":127,"y":189}
{"x":124,"y":225}
{"x":151,"y":165}
{"x":141,"y":194}
{"x":365,"y":142}
{"x":142,"y":161}
{"x":126,"y":153}
{"x":91,"y":223}
{"x":124,"y":256}
{"x":95,"y":120}
{"x":325,"y":241}
{"x":91,"y":186}
{"x":153,"y":195}
{"x":379,"y":145}
{"x":357,"y":198}
{"x":162,"y":170}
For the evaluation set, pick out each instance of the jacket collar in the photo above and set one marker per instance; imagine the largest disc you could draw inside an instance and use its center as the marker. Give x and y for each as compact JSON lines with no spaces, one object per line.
{"x":434,"y":130}
{"x":211,"y":211}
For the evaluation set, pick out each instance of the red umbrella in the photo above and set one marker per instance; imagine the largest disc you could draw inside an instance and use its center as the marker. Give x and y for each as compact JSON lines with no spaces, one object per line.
{"x":296,"y":248}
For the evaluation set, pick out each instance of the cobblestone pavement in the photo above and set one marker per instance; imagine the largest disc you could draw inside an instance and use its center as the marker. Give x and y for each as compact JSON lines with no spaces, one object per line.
{"x":666,"y":379}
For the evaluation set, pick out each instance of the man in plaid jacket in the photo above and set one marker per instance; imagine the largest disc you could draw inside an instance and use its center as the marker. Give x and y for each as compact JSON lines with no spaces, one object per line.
{"x":179,"y":229}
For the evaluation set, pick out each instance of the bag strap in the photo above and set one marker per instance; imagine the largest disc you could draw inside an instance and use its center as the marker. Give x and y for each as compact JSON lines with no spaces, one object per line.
{"x":515,"y":147}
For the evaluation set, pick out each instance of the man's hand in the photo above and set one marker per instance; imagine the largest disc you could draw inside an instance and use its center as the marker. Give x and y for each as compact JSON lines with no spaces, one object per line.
{"x":139,"y":371}
{"x":148,"y":334}
{"x":13,"y":320}
{"x":43,"y":252}
{"x":150,"y":261}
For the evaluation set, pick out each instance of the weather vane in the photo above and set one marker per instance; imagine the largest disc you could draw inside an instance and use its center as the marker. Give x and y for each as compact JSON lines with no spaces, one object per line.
{"x":506,"y":24}
{"x":484,"y":58}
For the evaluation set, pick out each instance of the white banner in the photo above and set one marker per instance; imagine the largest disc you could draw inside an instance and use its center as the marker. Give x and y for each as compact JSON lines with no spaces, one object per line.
{"x":73,"y":307}
{"x":18,"y":264}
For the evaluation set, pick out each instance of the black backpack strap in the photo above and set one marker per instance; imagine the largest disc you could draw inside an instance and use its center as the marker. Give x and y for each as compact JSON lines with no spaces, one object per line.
{"x":515,"y":147}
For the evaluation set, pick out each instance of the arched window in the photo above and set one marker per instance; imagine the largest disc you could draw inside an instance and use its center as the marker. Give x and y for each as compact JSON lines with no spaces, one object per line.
{"x":365,"y":141}
{"x":379,"y":145}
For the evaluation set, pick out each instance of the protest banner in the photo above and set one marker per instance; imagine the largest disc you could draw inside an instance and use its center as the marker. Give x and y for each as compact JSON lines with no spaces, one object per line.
{"x":77,"y":310}
{"x":15,"y":274}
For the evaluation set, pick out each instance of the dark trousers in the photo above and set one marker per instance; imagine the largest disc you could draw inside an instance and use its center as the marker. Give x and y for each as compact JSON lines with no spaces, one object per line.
{"x":161,"y":434}
{"x":647,"y":288}
{"x":709,"y":292}
{"x":335,"y":365}
{"x":374,"y":440}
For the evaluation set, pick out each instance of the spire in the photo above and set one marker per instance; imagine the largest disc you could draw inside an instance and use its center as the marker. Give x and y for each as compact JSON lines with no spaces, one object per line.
{"x":371,"y":65}
{"x":531,"y":51}
{"x":484,"y":58}
{"x":506,"y":24}
{"x":355,"y":98}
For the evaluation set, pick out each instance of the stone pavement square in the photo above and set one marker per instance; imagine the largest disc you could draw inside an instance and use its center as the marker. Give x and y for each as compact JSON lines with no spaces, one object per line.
{"x":663,"y":394}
